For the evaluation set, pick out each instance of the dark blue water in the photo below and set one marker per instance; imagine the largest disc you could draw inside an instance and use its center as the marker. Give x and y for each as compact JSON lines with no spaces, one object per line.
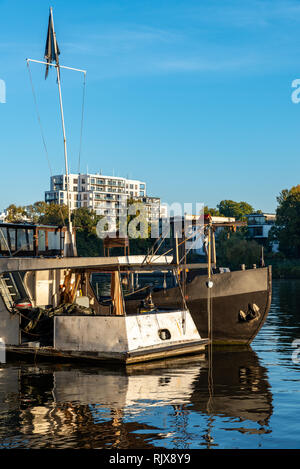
{"x":253,"y":401}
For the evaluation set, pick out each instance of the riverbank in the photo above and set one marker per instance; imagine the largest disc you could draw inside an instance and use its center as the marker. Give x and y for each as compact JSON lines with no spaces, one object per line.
{"x":285,"y":268}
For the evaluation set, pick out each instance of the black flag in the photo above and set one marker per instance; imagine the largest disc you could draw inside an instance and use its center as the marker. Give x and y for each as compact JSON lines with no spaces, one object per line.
{"x":52,"y":50}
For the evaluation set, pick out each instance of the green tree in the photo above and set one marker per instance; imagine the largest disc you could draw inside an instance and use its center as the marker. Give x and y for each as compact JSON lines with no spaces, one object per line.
{"x":238,"y":210}
{"x":85,"y":219}
{"x":214,"y":212}
{"x":36,"y":210}
{"x":236,"y":250}
{"x":16,"y":214}
{"x":287,"y":228}
{"x":53,"y":214}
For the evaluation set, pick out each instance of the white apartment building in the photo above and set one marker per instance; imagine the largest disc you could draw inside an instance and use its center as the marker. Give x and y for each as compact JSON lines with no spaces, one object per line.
{"x":104,"y":194}
{"x":259,"y":225}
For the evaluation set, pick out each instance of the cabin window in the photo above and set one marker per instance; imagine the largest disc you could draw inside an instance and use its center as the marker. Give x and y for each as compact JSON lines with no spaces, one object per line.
{"x":22,"y":240}
{"x":41,"y":240}
{"x":12,"y":239}
{"x":54,"y":240}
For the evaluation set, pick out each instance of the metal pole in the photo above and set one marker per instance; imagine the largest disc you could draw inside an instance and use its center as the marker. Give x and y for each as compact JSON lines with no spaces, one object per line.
{"x":63,"y":126}
{"x":54,"y":65}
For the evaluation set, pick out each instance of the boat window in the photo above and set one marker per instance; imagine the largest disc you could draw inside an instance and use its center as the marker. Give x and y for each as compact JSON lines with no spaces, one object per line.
{"x":41,"y":240}
{"x":53,"y":240}
{"x":12,"y":238}
{"x":154,"y":280}
{"x":101,"y":283}
{"x":30,"y":240}
{"x":22,"y":240}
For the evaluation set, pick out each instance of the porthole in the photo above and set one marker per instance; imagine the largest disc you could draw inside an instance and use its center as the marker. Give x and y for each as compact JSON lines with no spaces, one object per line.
{"x":164,"y":334}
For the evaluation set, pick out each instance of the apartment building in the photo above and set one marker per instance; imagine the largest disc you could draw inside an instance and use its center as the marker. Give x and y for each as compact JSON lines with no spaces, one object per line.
{"x":259,"y":225}
{"x":104,"y":194}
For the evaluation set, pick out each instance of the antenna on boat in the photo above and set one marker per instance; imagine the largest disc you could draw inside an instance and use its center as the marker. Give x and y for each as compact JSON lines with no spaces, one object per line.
{"x":51,"y":55}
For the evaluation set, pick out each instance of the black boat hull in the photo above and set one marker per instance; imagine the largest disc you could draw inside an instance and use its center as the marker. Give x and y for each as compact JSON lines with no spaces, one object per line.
{"x":240,"y":303}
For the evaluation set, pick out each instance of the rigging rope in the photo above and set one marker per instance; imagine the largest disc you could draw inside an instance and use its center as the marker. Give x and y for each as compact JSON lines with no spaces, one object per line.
{"x":42,"y":132}
{"x":38,"y":117}
{"x":81,"y":125}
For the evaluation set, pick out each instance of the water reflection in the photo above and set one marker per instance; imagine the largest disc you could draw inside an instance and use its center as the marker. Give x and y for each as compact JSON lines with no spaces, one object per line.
{"x":156,"y":405}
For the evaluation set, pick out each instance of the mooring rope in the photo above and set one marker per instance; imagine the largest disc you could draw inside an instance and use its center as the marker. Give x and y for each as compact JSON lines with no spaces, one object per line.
{"x":81,"y":125}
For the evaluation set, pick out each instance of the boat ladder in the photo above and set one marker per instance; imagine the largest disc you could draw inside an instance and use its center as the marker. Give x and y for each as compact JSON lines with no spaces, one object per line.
{"x":8,"y":290}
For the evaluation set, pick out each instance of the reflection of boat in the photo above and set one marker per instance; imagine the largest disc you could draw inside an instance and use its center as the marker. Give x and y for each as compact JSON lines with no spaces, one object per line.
{"x":164,"y":383}
{"x":93,"y":407}
{"x":240,"y":387}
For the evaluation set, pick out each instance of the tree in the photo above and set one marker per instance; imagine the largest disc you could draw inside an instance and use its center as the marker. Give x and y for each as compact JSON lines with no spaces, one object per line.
{"x":36,"y":210}
{"x":287,"y":228}
{"x":85,"y":219}
{"x":16,"y":214}
{"x":236,"y":250}
{"x":53,"y":214}
{"x":214,"y":212}
{"x":238,"y":210}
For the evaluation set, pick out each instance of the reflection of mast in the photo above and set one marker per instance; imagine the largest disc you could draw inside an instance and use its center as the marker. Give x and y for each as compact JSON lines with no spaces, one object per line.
{"x":181,"y":415}
{"x":209,"y":408}
{"x":209,"y":284}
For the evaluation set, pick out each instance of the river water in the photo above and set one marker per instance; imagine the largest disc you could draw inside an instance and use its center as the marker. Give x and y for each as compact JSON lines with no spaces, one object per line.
{"x":252,"y":400}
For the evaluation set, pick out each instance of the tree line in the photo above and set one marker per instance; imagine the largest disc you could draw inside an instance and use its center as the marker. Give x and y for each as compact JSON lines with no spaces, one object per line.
{"x":233,"y":248}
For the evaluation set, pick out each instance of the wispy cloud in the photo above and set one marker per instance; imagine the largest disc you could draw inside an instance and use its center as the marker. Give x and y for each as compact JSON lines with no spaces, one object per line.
{"x":239,"y":14}
{"x":199,"y":64}
{"x":115,"y":40}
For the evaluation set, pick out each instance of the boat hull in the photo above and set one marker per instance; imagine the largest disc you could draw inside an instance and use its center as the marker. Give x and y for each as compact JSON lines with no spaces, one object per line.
{"x":120,"y":339}
{"x":240,"y":302}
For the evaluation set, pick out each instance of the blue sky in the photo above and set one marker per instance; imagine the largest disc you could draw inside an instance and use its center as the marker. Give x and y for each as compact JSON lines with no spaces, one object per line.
{"x":194,"y":97}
